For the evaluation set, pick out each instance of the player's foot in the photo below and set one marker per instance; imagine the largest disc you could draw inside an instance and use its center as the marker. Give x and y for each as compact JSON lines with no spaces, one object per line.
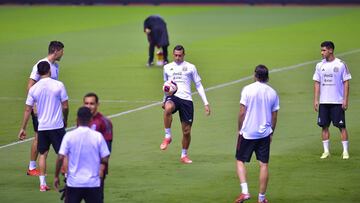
{"x":44,"y":188}
{"x":264,"y":201}
{"x":186,"y":160}
{"x":165,"y":143}
{"x":242,"y":197}
{"x":34,"y":172}
{"x":345,"y":155}
{"x":325,"y":155}
{"x":150,"y":64}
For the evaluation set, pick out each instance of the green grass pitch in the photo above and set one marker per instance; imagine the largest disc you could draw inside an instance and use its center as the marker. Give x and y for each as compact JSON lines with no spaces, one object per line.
{"x":106,"y":51}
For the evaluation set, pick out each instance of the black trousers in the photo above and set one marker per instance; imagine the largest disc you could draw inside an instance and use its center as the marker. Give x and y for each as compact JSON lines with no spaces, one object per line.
{"x":152,"y":50}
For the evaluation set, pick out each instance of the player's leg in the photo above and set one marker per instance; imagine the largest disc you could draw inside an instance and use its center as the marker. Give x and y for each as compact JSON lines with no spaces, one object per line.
{"x":262,"y":151}
{"x":244,"y":151}
{"x":43,"y":149}
{"x":324,"y":120}
{"x":186,"y":130}
{"x":338,"y":118}
{"x":32,"y":171}
{"x":151,"y":54}
{"x":93,"y":195}
{"x":169,"y":108}
{"x":165,"y":53}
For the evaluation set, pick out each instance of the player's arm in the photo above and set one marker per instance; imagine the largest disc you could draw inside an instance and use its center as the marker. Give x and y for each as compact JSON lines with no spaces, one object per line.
{"x":27,"y":113}
{"x":241,"y":116}
{"x":202,"y":94}
{"x":65,"y":110}
{"x":316,"y":95}
{"x":103,"y":163}
{"x":346,"y":94}
{"x":59,"y":163}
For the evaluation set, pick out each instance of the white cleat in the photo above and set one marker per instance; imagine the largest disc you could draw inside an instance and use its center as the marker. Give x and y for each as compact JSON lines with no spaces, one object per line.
{"x":345,"y":155}
{"x":325,"y":155}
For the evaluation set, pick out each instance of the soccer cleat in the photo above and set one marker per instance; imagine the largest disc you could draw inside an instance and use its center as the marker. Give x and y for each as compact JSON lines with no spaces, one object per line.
{"x":325,"y":155}
{"x":242,"y":197}
{"x":150,"y":64}
{"x":345,"y":155}
{"x":186,"y":160}
{"x":165,"y":143}
{"x":264,"y":201}
{"x":44,"y":188}
{"x":33,"y":172}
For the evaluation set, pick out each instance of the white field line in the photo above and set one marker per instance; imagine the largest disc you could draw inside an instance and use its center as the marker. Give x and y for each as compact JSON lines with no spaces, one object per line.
{"x":207,"y":89}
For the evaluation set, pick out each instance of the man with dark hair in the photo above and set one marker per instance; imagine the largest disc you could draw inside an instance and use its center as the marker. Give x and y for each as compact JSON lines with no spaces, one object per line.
{"x":331,"y":96}
{"x":157,"y":35}
{"x":101,"y":124}
{"x":88,"y":156}
{"x":55,"y":52}
{"x":52,"y":104}
{"x":259,"y":105}
{"x":183,"y":73}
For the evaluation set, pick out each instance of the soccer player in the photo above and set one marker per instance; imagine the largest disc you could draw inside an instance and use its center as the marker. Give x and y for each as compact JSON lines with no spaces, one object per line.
{"x":331,"y":96}
{"x":101,"y":124}
{"x":182,"y":73}
{"x":88,"y":155}
{"x":259,"y":105}
{"x":52,"y":106}
{"x":157,"y":35}
{"x":55,"y":52}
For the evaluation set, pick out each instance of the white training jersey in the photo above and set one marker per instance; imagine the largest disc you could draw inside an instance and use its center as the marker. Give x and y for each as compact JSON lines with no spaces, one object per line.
{"x":48,"y":94}
{"x":331,"y":76}
{"x":182,"y":74}
{"x":260,"y":101}
{"x":84,"y":148}
{"x":54,"y":70}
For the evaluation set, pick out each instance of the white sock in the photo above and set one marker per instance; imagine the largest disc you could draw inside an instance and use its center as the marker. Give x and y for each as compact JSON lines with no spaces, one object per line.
{"x":167,"y":132}
{"x":261,"y":197}
{"x":345,"y":145}
{"x":32,"y":165}
{"x":42,"y":180}
{"x":244,"y":188}
{"x":326,"y":145}
{"x":183,"y":153}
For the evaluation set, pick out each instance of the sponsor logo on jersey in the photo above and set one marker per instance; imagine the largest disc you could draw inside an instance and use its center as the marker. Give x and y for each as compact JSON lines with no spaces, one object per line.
{"x":336,"y":69}
{"x":184,"y":68}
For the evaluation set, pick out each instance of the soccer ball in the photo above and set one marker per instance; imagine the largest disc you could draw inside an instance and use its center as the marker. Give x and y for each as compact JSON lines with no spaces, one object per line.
{"x":169,"y":87}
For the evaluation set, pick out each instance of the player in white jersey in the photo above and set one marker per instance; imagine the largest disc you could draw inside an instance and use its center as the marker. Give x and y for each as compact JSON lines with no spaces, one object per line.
{"x":259,"y":105}
{"x":55,"y":52}
{"x":331,"y":96}
{"x":52,"y":102}
{"x":88,"y":155}
{"x":183,"y":73}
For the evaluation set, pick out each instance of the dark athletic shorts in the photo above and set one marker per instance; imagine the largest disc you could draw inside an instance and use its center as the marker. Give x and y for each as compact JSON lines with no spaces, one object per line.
{"x":47,"y":137}
{"x":185,"y":108}
{"x":246,"y":147}
{"x":331,"y":113}
{"x":34,"y":121}
{"x":89,"y":194}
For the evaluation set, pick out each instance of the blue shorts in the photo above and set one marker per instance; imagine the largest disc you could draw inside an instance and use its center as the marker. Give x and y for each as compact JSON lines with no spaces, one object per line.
{"x":246,"y":147}
{"x":185,"y":108}
{"x":331,"y":113}
{"x":47,"y":137}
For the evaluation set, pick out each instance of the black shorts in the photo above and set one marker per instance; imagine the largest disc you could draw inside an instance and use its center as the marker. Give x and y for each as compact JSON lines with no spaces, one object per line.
{"x":89,"y":194}
{"x":47,"y":137}
{"x":34,"y":120}
{"x":331,"y":113}
{"x":246,"y":147}
{"x":185,"y":108}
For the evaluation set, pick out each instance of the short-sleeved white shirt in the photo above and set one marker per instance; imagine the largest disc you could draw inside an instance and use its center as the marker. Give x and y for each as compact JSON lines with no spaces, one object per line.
{"x":84,"y":148}
{"x":48,"y":94}
{"x":182,"y":74}
{"x":260,"y":101}
{"x":331,"y":76}
{"x":54,"y":70}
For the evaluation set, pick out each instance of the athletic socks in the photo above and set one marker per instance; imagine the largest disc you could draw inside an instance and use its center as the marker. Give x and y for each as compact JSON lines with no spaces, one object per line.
{"x":244,"y":188}
{"x":167,"y":133}
{"x":183,"y":153}
{"x":261,"y":197}
{"x":32,"y":165}
{"x":326,"y":145}
{"x":345,"y":145}
{"x":42,"y":180}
